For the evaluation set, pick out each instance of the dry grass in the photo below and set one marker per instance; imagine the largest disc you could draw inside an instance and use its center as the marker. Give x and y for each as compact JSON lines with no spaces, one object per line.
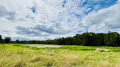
{"x":16,"y":56}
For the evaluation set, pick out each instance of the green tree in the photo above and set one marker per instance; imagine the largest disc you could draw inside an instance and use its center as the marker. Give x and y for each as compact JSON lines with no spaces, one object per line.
{"x":17,"y":41}
{"x":77,"y":39}
{"x":86,"y":39}
{"x":1,"y":39}
{"x":99,"y":39}
{"x":112,"y":39}
{"x":7,"y":40}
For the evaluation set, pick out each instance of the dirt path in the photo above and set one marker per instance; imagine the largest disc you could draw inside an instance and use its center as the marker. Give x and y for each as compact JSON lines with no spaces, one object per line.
{"x":98,"y":49}
{"x":41,"y":46}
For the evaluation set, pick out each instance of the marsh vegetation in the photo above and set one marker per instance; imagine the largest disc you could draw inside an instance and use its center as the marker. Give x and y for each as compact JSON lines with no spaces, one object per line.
{"x":17,"y":55}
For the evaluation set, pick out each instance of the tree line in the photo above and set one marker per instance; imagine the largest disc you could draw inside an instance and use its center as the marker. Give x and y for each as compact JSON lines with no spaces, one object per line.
{"x":5,"y":40}
{"x":85,"y":39}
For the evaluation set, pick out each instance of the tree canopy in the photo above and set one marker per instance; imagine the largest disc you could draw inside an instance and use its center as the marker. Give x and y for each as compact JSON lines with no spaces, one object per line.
{"x":85,"y":39}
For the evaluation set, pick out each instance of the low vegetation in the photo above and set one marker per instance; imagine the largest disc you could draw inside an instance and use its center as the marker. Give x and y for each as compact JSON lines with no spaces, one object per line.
{"x":17,"y":55}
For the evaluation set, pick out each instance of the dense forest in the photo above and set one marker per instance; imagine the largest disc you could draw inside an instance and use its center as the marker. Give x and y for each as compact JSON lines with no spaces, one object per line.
{"x":85,"y":39}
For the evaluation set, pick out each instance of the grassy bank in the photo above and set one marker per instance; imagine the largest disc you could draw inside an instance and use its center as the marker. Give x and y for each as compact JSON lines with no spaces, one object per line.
{"x":15,"y":55}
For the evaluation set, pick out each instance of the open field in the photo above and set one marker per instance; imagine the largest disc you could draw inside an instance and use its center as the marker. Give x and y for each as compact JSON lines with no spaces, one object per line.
{"x":17,"y":55}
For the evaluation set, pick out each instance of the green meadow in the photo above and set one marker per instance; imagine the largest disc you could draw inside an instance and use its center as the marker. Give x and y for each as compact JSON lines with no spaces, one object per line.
{"x":17,"y":55}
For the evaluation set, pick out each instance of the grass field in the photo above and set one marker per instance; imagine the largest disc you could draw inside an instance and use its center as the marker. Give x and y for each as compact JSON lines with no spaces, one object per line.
{"x":16,"y":55}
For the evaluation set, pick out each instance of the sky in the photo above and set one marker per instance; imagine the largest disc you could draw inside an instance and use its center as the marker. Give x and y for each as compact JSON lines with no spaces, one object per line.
{"x":52,"y":19}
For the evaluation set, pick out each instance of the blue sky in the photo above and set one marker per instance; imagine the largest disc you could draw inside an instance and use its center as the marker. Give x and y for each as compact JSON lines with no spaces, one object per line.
{"x":51,"y":19}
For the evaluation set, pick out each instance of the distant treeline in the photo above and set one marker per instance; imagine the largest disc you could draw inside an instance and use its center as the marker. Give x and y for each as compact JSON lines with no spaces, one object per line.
{"x":5,"y":40}
{"x":85,"y":39}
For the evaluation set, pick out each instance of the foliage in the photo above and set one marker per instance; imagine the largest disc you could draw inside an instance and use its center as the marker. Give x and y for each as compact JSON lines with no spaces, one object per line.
{"x":1,"y":39}
{"x":85,"y":39}
{"x":17,"y":41}
{"x":7,"y":40}
{"x":88,"y":39}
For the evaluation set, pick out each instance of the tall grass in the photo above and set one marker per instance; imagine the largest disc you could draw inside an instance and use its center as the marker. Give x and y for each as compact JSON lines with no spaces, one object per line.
{"x":12,"y":55}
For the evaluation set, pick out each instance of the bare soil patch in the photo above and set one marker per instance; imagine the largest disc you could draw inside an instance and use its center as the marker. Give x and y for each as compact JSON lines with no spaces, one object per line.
{"x":102,"y":49}
{"x":41,"y":46}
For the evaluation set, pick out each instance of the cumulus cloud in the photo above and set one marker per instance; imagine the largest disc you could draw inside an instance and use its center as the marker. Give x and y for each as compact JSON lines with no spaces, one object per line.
{"x":7,"y":14}
{"x":49,"y":19}
{"x":108,"y":19}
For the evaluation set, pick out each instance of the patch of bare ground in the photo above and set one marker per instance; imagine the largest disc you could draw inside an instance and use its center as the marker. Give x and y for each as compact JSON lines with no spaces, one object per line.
{"x":41,"y":46}
{"x":102,"y":49}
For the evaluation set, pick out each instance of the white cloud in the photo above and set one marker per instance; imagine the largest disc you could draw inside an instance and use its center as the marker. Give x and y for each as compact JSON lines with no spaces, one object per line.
{"x":47,"y":16}
{"x":103,"y":20}
{"x":49,"y":19}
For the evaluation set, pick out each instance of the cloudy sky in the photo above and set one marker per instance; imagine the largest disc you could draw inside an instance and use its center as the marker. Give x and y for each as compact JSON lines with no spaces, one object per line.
{"x":50,"y":19}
